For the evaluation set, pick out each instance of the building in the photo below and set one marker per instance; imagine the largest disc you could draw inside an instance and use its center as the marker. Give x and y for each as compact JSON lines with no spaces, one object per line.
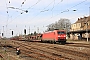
{"x":80,"y":29}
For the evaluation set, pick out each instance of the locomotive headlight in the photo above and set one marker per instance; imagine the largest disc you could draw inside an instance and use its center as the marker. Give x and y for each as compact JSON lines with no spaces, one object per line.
{"x":58,"y":36}
{"x":64,"y":36}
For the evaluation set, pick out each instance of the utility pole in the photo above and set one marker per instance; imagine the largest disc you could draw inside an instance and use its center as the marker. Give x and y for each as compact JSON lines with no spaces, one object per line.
{"x":0,"y":33}
{"x":16,"y":31}
{"x":87,"y":30}
{"x":29,"y":29}
{"x":3,"y":31}
{"x":89,"y":11}
{"x":38,"y":30}
{"x":87,"y":25}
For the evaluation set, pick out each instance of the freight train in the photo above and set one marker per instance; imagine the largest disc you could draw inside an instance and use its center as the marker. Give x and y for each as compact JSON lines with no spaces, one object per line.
{"x":50,"y":36}
{"x":54,"y":36}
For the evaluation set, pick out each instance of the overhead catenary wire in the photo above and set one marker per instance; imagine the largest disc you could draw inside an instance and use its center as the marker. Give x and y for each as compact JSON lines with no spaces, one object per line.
{"x":44,"y":10}
{"x":18,"y":9}
{"x":7,"y":12}
{"x":22,"y":9}
{"x":23,"y":2}
{"x":74,"y":6}
{"x":53,"y":8}
{"x":67,"y":10}
{"x":78,"y":4}
{"x":46,"y":7}
{"x":29,"y":8}
{"x":34,"y":4}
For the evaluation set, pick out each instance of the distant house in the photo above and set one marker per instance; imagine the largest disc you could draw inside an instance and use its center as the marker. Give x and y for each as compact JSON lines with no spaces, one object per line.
{"x":80,"y":27}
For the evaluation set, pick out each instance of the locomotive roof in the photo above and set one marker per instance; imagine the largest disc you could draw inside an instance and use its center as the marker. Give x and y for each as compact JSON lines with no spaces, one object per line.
{"x":53,"y":31}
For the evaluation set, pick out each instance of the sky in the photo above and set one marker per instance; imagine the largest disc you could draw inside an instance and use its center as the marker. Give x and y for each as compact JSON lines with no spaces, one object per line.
{"x":35,"y":15}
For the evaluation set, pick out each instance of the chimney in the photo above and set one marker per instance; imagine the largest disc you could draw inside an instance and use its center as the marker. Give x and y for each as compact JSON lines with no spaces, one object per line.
{"x":78,"y":18}
{"x":81,"y":18}
{"x":85,"y":17}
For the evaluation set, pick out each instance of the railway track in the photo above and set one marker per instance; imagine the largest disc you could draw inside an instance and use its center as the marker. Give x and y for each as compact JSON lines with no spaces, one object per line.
{"x":44,"y":51}
{"x":34,"y":52}
{"x":79,"y":45}
{"x":72,"y":53}
{"x":72,"y":47}
{"x":5,"y":53}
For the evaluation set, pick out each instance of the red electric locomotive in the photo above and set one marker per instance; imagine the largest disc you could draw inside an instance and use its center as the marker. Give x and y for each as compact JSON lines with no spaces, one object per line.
{"x":55,"y":36}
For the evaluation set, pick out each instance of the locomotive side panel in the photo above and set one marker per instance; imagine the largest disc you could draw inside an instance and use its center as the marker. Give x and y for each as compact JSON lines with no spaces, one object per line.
{"x":55,"y":36}
{"x":48,"y":36}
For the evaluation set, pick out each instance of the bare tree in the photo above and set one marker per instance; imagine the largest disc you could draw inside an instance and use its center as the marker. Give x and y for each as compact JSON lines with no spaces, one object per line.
{"x":60,"y":24}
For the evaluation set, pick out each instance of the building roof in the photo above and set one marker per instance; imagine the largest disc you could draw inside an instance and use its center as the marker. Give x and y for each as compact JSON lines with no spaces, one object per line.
{"x":82,"y":20}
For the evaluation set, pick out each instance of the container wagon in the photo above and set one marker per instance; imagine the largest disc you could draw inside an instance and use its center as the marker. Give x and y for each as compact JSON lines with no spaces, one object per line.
{"x":54,"y":36}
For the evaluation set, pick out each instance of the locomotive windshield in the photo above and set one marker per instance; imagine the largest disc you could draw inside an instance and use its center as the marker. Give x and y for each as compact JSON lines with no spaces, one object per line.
{"x":61,"y":32}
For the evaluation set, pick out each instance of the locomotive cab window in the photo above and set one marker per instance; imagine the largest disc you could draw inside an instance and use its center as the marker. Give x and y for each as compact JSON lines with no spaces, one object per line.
{"x":61,"y":32}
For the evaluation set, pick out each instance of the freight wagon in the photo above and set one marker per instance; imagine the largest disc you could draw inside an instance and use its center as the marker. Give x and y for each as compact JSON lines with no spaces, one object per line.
{"x":54,"y":36}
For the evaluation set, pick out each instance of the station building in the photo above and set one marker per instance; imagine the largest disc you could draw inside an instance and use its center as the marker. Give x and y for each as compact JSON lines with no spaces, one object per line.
{"x":80,"y":29}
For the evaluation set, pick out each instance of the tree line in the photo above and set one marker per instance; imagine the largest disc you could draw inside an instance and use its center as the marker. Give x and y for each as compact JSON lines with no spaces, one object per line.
{"x":62,"y":24}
